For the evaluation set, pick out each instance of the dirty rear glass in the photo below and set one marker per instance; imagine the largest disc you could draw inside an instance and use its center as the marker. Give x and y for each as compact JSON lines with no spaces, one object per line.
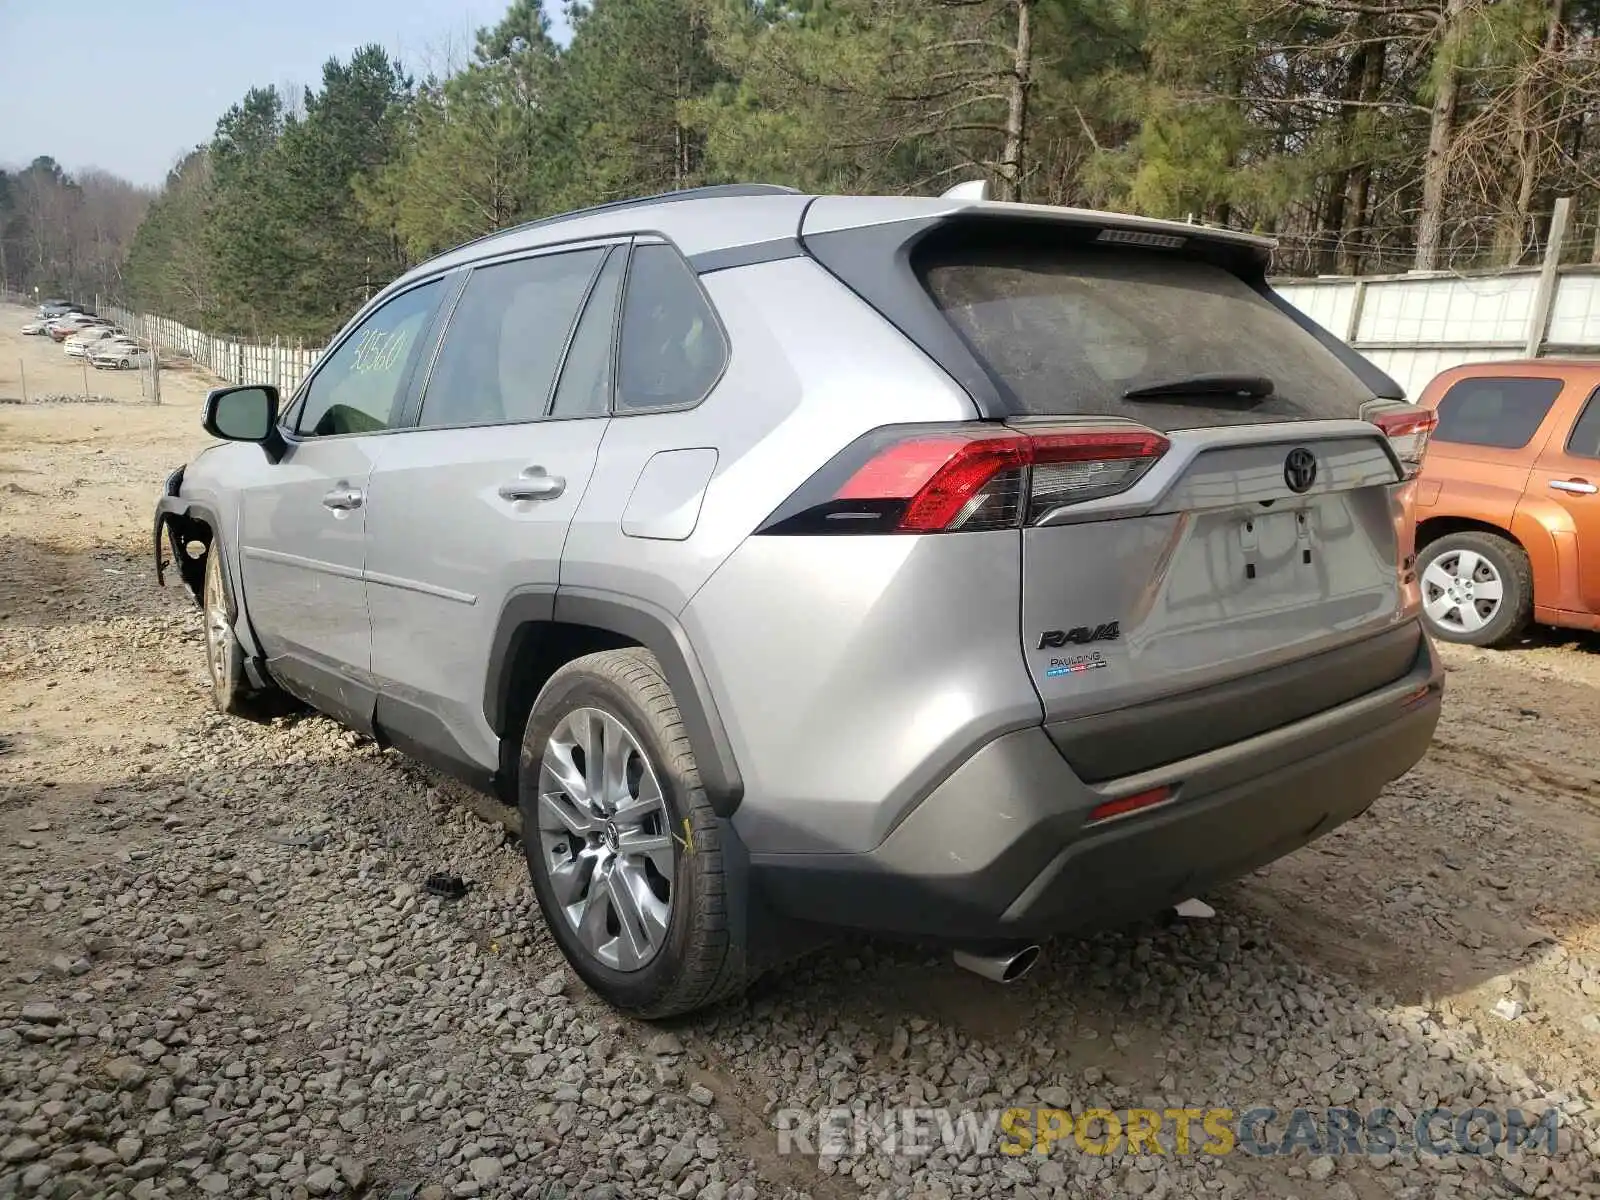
{"x":1069,"y":329}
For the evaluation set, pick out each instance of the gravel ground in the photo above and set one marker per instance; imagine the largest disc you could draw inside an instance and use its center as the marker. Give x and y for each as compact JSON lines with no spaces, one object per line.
{"x":220,"y":974}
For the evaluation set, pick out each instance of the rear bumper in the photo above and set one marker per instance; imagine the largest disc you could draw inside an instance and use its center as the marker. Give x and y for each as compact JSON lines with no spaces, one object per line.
{"x":1000,"y":850}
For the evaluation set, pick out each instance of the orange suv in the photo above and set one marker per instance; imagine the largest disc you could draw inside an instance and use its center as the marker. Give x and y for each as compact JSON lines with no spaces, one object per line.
{"x":1508,"y":515}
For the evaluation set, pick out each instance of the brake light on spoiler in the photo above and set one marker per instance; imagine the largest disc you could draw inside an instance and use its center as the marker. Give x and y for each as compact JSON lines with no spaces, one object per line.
{"x":965,"y":478}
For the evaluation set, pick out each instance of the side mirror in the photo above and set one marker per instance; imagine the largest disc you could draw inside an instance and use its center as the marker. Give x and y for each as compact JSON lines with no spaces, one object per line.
{"x":245,"y":414}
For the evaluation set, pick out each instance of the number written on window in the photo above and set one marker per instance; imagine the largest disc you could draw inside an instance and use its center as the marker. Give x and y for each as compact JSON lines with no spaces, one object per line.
{"x":357,"y":390}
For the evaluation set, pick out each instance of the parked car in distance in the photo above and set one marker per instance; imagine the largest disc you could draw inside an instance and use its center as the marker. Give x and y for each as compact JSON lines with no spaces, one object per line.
{"x":57,"y":308}
{"x":1508,"y":501}
{"x":115,"y":354}
{"x":949,"y":570}
{"x":71,"y":322}
{"x":64,"y":327}
{"x":35,"y":328}
{"x":78,"y":344}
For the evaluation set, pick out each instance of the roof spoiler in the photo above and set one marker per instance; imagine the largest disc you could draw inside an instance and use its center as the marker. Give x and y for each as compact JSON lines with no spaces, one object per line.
{"x":974,"y":189}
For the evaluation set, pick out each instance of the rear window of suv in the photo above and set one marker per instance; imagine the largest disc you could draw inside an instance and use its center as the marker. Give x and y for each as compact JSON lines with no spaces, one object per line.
{"x":1067,"y":329}
{"x":1503,"y":413}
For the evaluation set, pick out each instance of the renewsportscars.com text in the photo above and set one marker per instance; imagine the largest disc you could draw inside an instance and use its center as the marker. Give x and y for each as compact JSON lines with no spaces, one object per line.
{"x":1260,"y":1131}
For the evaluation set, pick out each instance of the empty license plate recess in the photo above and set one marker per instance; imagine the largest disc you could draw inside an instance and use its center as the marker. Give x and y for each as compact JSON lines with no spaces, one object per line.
{"x":1276,"y":543}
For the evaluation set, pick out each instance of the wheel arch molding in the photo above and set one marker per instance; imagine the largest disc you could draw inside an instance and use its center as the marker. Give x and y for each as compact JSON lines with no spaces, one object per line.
{"x":629,"y":621}
{"x":175,"y":517}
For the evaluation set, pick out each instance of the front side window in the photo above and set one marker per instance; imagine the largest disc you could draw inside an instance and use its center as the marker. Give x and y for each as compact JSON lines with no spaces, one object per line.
{"x":1503,"y":413}
{"x":358,"y":389}
{"x":506,"y":340}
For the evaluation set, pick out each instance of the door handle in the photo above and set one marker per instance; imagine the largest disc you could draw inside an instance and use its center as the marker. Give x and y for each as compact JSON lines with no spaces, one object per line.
{"x":1578,"y":487}
{"x":343,"y":498}
{"x":533,"y":484}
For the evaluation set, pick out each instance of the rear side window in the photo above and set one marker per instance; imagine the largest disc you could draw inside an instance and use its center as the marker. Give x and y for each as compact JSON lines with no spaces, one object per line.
{"x":1068,"y":329}
{"x":1504,"y":413}
{"x":585,"y":387}
{"x":506,"y":340}
{"x":1585,"y":439}
{"x":673,"y":348}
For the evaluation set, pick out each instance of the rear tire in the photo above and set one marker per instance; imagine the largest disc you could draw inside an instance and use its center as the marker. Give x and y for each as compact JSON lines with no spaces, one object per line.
{"x":1477,"y":589}
{"x":623,"y":849}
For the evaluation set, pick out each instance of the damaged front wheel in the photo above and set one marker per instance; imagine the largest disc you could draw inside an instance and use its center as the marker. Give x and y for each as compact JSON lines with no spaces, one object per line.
{"x":230,"y":687}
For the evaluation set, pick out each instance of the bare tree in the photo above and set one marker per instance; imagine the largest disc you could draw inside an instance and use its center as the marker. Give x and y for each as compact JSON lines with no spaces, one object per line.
{"x":1011,"y":157}
{"x":1441,"y":136}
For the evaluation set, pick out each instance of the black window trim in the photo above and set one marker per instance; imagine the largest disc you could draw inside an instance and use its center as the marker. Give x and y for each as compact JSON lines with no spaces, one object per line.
{"x":657,"y":239}
{"x":1566,"y":446}
{"x":290,"y":421}
{"x":456,"y":277}
{"x":411,"y":419}
{"x":624,"y":249}
{"x":419,"y":386}
{"x":1555,"y":400}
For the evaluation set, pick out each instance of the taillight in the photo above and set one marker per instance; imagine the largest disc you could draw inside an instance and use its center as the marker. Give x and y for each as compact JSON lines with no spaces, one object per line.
{"x":1071,"y":467}
{"x":965,"y":478}
{"x":943,"y":483}
{"x":1408,"y":427}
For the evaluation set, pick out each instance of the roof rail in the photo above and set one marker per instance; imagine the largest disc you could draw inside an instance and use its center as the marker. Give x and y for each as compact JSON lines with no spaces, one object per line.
{"x":713,"y":191}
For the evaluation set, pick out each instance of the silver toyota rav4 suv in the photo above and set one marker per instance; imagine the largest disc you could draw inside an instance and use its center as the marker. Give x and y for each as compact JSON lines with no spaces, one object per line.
{"x":944,"y":569}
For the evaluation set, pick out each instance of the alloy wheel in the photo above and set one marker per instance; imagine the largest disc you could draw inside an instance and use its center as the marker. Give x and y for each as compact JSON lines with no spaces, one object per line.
{"x":219,"y":629}
{"x":1462,"y":591}
{"x":606,"y":842}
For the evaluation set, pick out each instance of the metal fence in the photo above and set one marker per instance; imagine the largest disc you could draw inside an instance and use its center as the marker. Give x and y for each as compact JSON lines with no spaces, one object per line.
{"x":1414,"y":326}
{"x":280,"y":362}
{"x":1418,"y":324}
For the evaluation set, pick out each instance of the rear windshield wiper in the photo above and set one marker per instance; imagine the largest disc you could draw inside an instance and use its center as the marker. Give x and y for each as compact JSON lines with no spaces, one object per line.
{"x":1254,"y":386}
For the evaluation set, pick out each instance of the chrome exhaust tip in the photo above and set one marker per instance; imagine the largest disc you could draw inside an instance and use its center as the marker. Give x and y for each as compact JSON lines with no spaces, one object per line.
{"x":1005,"y":967}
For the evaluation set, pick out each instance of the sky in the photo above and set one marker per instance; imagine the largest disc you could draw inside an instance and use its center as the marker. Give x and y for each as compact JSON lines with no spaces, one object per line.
{"x":131,"y":88}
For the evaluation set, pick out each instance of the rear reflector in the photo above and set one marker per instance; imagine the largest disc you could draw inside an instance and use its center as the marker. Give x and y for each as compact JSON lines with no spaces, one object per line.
{"x":1417,"y":698}
{"x":964,"y":478}
{"x":1127,"y":804}
{"x":1408,"y":428}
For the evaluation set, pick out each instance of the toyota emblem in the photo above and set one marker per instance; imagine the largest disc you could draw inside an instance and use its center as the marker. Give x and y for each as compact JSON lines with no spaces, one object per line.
{"x":1300,"y":469}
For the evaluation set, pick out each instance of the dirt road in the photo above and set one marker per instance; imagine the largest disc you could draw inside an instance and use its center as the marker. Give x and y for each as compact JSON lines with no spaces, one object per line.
{"x":219,"y":975}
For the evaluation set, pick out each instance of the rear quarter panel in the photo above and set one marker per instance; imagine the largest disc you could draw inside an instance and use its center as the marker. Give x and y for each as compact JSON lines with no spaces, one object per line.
{"x":854,"y":673}
{"x":811,"y":368}
{"x":844,"y":668}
